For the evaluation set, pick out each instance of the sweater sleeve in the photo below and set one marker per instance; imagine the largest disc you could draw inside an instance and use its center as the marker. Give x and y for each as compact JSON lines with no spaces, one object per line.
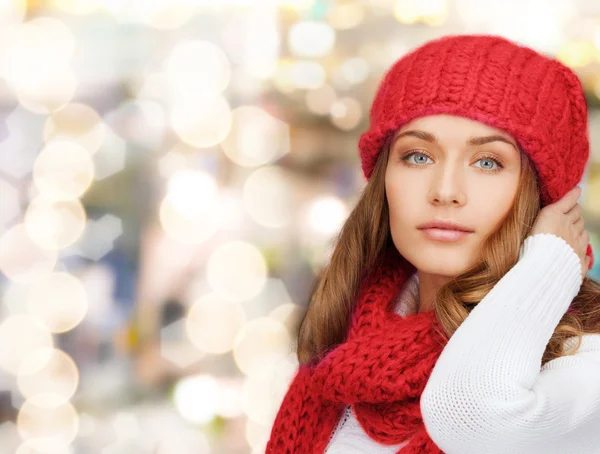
{"x":488,"y":392}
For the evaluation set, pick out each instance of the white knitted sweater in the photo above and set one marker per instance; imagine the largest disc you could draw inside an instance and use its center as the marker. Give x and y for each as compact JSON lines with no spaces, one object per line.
{"x":488,"y":392}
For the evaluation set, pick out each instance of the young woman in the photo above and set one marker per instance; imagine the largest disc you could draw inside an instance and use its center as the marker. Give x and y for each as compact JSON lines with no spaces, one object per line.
{"x":455,"y":314}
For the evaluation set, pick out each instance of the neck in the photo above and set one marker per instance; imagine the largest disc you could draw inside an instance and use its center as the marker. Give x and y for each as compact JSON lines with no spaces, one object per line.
{"x":428,"y":287}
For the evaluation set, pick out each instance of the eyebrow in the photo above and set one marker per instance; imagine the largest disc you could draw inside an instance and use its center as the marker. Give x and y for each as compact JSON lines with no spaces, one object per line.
{"x":427,"y":136}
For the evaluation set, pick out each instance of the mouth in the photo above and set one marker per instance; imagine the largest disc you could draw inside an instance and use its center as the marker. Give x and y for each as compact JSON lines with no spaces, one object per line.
{"x":445,"y":235}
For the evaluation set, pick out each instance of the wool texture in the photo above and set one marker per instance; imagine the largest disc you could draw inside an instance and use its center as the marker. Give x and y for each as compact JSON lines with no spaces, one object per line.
{"x":490,"y":79}
{"x":381,"y":370}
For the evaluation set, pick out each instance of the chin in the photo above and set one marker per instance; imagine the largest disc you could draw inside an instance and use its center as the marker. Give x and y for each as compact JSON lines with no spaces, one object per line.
{"x":437,"y":270}
{"x":447,"y":263}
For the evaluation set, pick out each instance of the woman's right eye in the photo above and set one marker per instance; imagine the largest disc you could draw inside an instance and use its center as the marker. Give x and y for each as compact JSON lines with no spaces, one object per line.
{"x":422,"y":158}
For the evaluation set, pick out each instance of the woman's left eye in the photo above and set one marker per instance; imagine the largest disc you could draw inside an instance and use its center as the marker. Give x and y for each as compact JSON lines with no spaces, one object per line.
{"x":491,"y":160}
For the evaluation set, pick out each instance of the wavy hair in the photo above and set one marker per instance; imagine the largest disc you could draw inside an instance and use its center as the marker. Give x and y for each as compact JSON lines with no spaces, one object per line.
{"x":366,"y":233}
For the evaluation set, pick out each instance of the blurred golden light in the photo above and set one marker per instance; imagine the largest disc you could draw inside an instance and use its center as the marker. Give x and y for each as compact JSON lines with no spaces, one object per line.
{"x":280,"y":376}
{"x":296,"y":4}
{"x":59,"y":301}
{"x":55,"y":224}
{"x":63,"y":170}
{"x":256,"y":137}
{"x":262,"y":394}
{"x":188,"y":227}
{"x":51,"y":94}
{"x":78,"y":7}
{"x":192,"y":442}
{"x":48,"y":374}
{"x":410,"y":12}
{"x":592,"y":190}
{"x":175,"y":348}
{"x":12,"y":12}
{"x":260,"y":34}
{"x":43,"y":42}
{"x":9,"y":201}
{"x":13,"y":296}
{"x":308,"y":75}
{"x":126,"y":425}
{"x":257,"y":435}
{"x":145,"y":120}
{"x":596,"y":38}
{"x":576,"y":54}
{"x":41,"y":447}
{"x":290,"y":314}
{"x":230,"y":405}
{"x":345,"y":15}
{"x":257,"y":398}
{"x":346,"y":113}
{"x":319,"y":101}
{"x":87,"y":425}
{"x":197,"y":398}
{"x":435,"y":21}
{"x":197,"y":68}
{"x":46,"y":43}
{"x":236,"y":271}
{"x":231,"y":210}
{"x":152,"y":86}
{"x":201,"y":121}
{"x":24,"y":335}
{"x":192,"y":190}
{"x":355,"y":70}
{"x":268,"y":197}
{"x":173,"y":160}
{"x":406,"y":12}
{"x":282,"y":79}
{"x":213,"y":323}
{"x":261,"y":344}
{"x":326,"y":214}
{"x":47,"y":425}
{"x":311,"y":39}
{"x":260,"y":449}
{"x":168,"y":14}
{"x":79,"y":123}
{"x":190,"y":212}
{"x":160,"y":14}
{"x":23,"y":260}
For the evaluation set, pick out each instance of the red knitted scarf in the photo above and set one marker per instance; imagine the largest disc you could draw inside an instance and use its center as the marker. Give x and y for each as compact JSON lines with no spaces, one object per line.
{"x":380,"y":370}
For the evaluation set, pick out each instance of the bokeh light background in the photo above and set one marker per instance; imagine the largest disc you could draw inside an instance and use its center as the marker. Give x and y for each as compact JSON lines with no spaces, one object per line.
{"x":172,"y":177}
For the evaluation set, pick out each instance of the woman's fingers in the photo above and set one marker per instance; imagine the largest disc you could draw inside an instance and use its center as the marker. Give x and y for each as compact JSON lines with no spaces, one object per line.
{"x":564,"y":219}
{"x":585,"y":239}
{"x":574,"y":213}
{"x":579,"y":225}
{"x":568,"y":200}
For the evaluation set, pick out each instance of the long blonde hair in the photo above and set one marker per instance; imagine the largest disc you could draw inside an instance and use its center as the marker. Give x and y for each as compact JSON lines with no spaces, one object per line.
{"x":366,"y":233}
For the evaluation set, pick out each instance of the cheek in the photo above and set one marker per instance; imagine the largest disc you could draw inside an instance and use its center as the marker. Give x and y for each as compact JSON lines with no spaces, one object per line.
{"x":400,"y":203}
{"x":493,"y":205}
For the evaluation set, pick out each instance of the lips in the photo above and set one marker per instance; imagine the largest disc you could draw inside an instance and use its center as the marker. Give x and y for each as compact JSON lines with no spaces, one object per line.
{"x":445,"y":235}
{"x":445,"y":230}
{"x":445,"y":225}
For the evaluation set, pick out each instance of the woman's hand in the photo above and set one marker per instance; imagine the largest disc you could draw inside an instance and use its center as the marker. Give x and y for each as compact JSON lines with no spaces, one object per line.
{"x":563,"y":218}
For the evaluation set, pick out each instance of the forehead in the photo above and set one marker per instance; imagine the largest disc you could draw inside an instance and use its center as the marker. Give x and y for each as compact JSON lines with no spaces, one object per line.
{"x":446,"y":126}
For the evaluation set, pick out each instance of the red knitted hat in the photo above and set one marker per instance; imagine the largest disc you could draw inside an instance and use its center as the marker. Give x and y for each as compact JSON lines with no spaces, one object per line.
{"x":490,"y":79}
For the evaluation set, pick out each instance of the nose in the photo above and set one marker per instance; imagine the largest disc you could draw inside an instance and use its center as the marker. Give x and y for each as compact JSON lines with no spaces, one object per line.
{"x":447,"y":186}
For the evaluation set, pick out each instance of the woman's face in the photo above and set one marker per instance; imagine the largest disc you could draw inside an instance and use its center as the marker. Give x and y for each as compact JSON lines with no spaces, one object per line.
{"x":454,"y":169}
